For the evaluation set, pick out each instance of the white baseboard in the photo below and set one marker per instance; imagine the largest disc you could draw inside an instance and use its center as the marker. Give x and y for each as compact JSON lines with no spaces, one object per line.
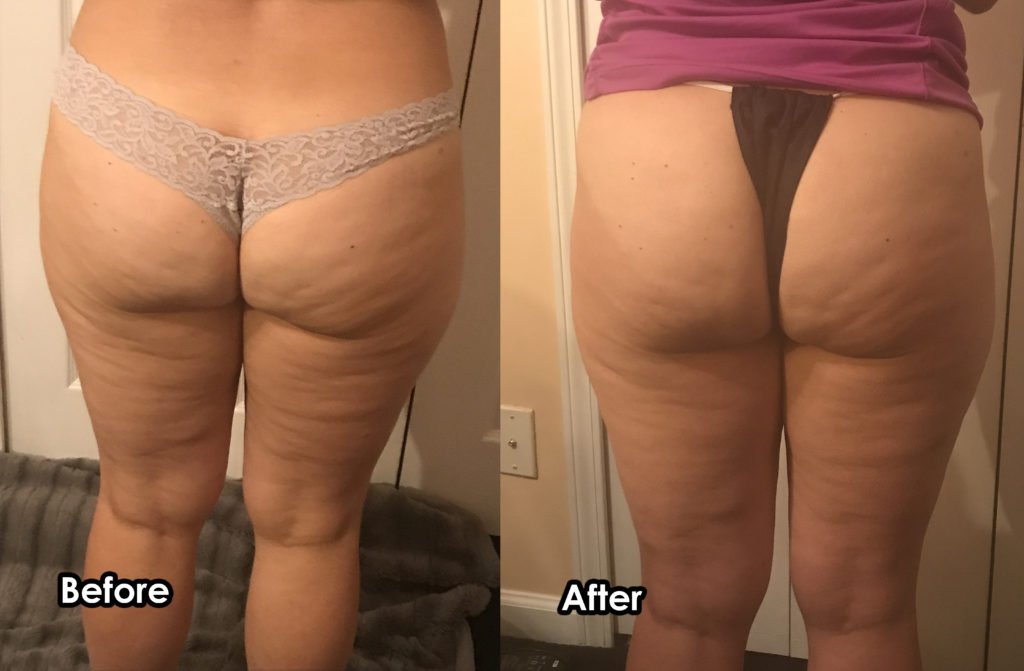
{"x":534,"y":616}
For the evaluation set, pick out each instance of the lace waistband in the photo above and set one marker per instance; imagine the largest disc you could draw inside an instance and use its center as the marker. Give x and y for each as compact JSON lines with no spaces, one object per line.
{"x":212,"y":168}
{"x":81,"y":79}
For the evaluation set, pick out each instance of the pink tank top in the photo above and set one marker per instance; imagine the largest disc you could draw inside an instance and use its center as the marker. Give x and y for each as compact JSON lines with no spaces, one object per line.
{"x":899,"y":48}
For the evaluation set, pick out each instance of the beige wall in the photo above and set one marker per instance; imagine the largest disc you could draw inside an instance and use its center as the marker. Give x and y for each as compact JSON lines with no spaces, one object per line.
{"x":536,"y":554}
{"x":457,"y":394}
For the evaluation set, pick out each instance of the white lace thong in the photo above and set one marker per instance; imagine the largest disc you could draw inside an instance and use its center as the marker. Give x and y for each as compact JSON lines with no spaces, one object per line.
{"x":238,"y":180}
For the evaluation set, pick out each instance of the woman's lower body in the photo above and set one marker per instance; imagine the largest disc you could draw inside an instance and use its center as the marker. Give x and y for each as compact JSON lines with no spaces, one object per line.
{"x":333,"y":301}
{"x":866,"y":338}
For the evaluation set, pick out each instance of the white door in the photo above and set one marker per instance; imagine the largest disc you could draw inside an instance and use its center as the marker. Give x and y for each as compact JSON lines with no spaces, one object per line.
{"x":955,"y":569}
{"x":46,"y":414}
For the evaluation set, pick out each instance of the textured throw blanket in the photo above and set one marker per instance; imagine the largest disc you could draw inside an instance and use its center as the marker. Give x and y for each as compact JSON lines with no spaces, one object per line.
{"x":426,"y":566}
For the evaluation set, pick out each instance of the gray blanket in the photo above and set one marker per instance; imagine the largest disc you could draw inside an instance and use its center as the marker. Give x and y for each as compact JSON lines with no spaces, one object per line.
{"x":426,"y":566}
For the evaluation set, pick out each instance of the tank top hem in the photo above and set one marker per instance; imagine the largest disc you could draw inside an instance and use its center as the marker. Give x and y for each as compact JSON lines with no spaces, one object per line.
{"x":621,"y":78}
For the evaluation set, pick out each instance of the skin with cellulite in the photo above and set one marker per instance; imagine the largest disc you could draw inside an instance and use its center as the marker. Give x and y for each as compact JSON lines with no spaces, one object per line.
{"x":886,"y":309}
{"x":334,"y":302}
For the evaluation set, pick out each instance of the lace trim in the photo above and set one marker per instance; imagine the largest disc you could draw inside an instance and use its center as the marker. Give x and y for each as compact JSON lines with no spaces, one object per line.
{"x":288,"y":167}
{"x":237,"y":180}
{"x":198,"y":161}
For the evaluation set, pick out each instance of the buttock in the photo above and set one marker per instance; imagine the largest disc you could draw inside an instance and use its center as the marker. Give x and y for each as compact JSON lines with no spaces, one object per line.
{"x":238,"y":180}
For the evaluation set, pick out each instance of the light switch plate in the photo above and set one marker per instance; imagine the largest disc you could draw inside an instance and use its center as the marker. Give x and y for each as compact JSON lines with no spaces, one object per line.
{"x":518,"y":442}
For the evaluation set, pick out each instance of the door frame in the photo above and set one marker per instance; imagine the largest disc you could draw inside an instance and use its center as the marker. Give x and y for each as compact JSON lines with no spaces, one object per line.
{"x":563,"y":25}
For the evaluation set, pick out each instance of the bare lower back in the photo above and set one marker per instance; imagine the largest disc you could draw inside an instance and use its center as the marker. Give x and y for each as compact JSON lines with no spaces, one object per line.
{"x":254,"y":68}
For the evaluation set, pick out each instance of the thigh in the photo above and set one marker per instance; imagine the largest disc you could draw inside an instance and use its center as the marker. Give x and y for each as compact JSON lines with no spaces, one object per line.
{"x":671,"y":310}
{"x":887,"y":300}
{"x":146,"y":286}
{"x":348,"y":292}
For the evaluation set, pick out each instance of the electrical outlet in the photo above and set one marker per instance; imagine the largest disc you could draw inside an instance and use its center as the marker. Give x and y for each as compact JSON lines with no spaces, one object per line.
{"x":518,"y":443}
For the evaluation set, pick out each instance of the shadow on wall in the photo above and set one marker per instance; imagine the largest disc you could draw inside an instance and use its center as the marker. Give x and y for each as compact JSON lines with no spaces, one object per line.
{"x":965,"y":503}
{"x":457,"y":395}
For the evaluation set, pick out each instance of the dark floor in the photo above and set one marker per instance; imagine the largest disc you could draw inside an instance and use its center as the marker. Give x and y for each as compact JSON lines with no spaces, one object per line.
{"x":519,"y":654}
{"x":484,"y":628}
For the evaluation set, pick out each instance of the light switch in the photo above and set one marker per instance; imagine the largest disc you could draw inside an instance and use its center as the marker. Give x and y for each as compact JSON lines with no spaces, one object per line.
{"x":518,"y":443}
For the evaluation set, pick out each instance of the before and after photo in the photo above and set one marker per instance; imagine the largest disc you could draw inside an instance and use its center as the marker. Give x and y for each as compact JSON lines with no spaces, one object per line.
{"x":511,"y":335}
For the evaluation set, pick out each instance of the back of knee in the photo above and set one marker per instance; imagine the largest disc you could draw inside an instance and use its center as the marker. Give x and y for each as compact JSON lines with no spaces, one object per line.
{"x":705,"y":590}
{"x":287,"y":515}
{"x":728,"y":610}
{"x":849,"y":593}
{"x":164,"y":505}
